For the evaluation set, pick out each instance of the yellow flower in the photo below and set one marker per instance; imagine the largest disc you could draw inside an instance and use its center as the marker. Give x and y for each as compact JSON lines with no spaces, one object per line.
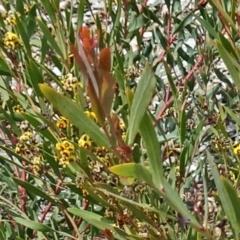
{"x":236,"y":149}
{"x":232,"y":176}
{"x":10,"y":20}
{"x":68,"y":146}
{"x":59,"y":146}
{"x":11,"y":40}
{"x":124,"y":135}
{"x":91,"y":115}
{"x":122,"y":125}
{"x":63,"y":162}
{"x":69,"y":82}
{"x":72,"y":158}
{"x":18,"y":109}
{"x":17,"y":149}
{"x":85,"y":192}
{"x":62,"y":123}
{"x":37,"y":160}
{"x":84,"y":141}
{"x":66,"y":153}
{"x":26,"y":136}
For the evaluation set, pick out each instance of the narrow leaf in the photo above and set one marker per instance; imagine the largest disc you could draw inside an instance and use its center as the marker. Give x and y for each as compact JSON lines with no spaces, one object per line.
{"x":208,"y":27}
{"x":224,"y":14}
{"x":4,"y":68}
{"x":48,"y":35}
{"x":35,"y":76}
{"x":142,"y":97}
{"x":49,"y":9}
{"x":153,"y":149}
{"x":37,"y":226}
{"x":75,"y":114}
{"x":229,"y":199}
{"x":134,"y":170}
{"x":105,"y":59}
{"x":107,"y":91}
{"x":24,"y":36}
{"x":32,"y":189}
{"x":230,"y":62}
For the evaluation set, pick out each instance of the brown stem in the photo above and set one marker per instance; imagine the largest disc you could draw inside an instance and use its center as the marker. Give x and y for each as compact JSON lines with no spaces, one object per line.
{"x":188,"y":76}
{"x":23,"y":191}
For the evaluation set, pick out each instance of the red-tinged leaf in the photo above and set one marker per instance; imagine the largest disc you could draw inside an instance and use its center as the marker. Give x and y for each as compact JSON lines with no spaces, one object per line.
{"x":107,"y":91}
{"x":105,"y":59}
{"x":89,"y":51}
{"x":78,"y":59}
{"x":88,"y":44}
{"x":84,"y":33}
{"x":108,"y":234}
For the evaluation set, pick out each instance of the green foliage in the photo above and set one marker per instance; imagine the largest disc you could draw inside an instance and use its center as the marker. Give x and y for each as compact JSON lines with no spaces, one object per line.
{"x":121,"y":126}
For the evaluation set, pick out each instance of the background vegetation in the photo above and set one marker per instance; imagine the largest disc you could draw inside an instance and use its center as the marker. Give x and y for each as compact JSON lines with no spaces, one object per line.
{"x":122,"y":125}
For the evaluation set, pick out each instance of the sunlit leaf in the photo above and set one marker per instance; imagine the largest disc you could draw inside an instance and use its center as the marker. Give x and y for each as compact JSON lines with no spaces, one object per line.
{"x":141,"y":99}
{"x":75,"y":114}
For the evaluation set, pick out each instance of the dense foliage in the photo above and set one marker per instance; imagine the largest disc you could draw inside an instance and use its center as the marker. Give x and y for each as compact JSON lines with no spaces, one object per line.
{"x":119,"y":119}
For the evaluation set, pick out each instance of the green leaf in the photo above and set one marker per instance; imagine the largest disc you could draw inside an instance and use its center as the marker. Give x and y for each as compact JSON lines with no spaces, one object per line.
{"x":173,"y":199}
{"x":49,"y":9}
{"x":31,"y":25}
{"x":232,"y":115}
{"x":228,"y":196}
{"x":99,"y":222}
{"x":4,"y":90}
{"x":231,"y":63}
{"x":142,"y":97}
{"x":153,"y":149}
{"x":48,"y":35}
{"x":183,"y":124}
{"x":186,"y":21}
{"x":89,"y":216}
{"x":80,"y":14}
{"x":134,"y":170}
{"x":75,"y":114}
{"x":208,"y":27}
{"x":228,"y":46}
{"x":4,"y":68}
{"x":116,"y":24}
{"x":32,"y":189}
{"x":227,"y":19}
{"x":12,"y":153}
{"x":136,"y":22}
{"x":35,"y":76}
{"x":170,"y":79}
{"x":37,"y":226}
{"x":23,"y":33}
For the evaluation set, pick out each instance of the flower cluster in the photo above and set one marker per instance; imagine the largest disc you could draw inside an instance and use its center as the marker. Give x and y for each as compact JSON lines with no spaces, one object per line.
{"x":70,"y":83}
{"x":27,"y":147}
{"x":18,"y":109}
{"x":220,"y":143}
{"x":10,"y":19}
{"x":85,"y":141}
{"x":11,"y":40}
{"x":65,"y":153}
{"x":37,"y":164}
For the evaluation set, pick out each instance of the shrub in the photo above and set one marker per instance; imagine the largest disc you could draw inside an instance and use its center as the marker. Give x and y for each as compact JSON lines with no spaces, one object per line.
{"x":124,"y":130}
